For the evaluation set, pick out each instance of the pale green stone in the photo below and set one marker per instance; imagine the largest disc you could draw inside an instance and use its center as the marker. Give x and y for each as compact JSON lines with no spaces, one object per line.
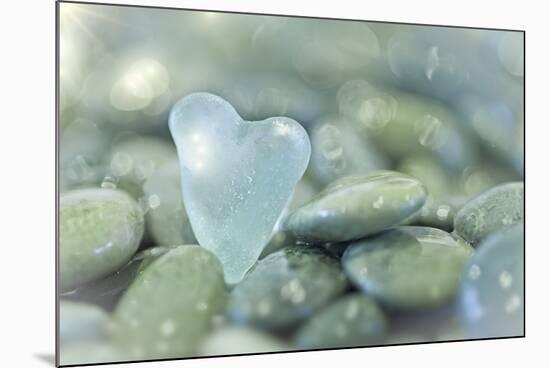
{"x":353,"y":320}
{"x":99,"y":231}
{"x":80,"y":322}
{"x":498,"y":207}
{"x":241,"y":340}
{"x":166,"y":218}
{"x":286,"y":287}
{"x":408,"y":267}
{"x":357,"y":206}
{"x":170,"y":306}
{"x":492,"y":294}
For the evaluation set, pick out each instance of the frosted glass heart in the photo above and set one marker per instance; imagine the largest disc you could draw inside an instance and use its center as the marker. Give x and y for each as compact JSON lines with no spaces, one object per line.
{"x":237,"y":176}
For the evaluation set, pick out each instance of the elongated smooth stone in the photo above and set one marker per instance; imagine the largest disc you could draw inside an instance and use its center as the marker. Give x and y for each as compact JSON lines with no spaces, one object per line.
{"x":357,"y":206}
{"x":353,"y":320}
{"x":491,"y":298}
{"x":286,"y":287}
{"x":237,"y":176}
{"x":408,"y":267}
{"x":100,"y":230}
{"x":170,"y":306}
{"x":494,"y":209}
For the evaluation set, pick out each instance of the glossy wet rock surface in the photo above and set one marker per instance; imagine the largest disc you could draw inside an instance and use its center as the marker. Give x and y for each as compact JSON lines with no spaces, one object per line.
{"x":408,"y":267}
{"x":357,"y":206}
{"x":100,"y":230}
{"x":286,"y":287}
{"x":169,"y":308}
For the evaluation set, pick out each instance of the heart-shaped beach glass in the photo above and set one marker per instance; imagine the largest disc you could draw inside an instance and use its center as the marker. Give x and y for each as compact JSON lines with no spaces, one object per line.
{"x":237,"y":176}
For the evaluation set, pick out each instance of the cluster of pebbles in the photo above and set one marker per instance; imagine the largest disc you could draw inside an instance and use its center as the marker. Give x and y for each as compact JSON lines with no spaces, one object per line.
{"x":406,"y":227}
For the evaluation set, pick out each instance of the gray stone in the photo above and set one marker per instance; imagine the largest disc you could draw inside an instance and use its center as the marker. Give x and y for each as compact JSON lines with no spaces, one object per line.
{"x":498,"y":207}
{"x":286,"y":287}
{"x":492,"y":294}
{"x":408,"y":267}
{"x":353,"y":320}
{"x":357,"y":206}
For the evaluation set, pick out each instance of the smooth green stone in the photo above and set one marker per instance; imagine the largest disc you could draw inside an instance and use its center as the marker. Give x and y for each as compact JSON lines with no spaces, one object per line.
{"x":241,"y":340}
{"x":92,"y":353}
{"x":170,"y":306}
{"x":80,"y":322}
{"x":133,"y":160}
{"x":166,"y":219}
{"x":357,"y":206}
{"x":492,"y":294}
{"x":286,"y":287}
{"x":408,"y":267}
{"x":499,"y":207}
{"x":100,"y":230}
{"x":353,"y":320}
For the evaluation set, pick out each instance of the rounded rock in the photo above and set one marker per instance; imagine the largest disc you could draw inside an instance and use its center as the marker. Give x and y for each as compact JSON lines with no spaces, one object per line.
{"x":286,"y":287}
{"x":491,"y":298}
{"x":100,"y":230}
{"x":356,"y":206}
{"x":408,"y":267}
{"x":354,"y":320}
{"x":170,"y":306}
{"x":494,"y":209}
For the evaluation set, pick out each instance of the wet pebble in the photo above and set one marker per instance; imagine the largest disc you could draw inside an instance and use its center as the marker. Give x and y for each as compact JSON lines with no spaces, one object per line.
{"x":100,"y":230}
{"x":496,"y":208}
{"x":408,"y":267}
{"x":491,"y":297}
{"x":170,"y":306}
{"x":357,"y":206}
{"x":286,"y":287}
{"x":353,"y":320}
